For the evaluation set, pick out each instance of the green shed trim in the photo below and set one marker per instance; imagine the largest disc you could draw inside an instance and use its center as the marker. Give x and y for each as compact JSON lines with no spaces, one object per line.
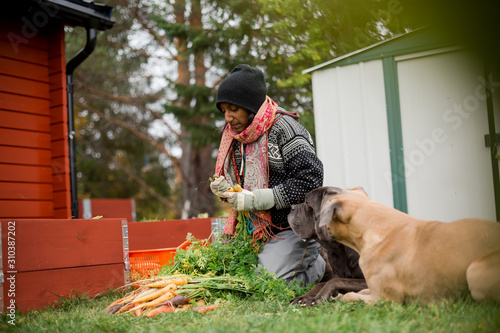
{"x":494,"y":143}
{"x":395,"y":130}
{"x":420,"y":40}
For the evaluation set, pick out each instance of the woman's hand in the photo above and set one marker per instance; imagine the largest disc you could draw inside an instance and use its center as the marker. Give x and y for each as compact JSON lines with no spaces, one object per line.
{"x":219,"y":186}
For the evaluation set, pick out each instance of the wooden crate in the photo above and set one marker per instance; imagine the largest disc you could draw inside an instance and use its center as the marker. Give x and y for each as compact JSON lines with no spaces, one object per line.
{"x":59,"y":257}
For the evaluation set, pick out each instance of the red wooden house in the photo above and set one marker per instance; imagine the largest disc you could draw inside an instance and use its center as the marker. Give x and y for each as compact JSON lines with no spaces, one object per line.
{"x":35,"y":182}
{"x":34,"y":149}
{"x":45,"y":251}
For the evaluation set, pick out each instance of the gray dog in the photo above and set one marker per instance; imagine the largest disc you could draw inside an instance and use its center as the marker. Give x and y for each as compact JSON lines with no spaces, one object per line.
{"x":343,"y":273}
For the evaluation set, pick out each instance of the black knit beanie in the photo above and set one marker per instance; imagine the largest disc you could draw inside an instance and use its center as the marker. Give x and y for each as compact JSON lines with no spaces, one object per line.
{"x":244,"y":87}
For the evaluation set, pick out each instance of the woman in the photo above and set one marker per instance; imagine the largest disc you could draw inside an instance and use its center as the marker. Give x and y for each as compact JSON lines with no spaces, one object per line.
{"x":265,"y":150}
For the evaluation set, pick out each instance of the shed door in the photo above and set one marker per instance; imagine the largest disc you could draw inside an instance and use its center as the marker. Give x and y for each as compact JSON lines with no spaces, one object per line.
{"x":444,"y":121}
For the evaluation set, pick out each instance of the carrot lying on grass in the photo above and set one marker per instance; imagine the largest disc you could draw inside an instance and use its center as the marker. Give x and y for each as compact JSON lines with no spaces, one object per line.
{"x":176,"y":301}
{"x":113,"y":309}
{"x":206,"y":308}
{"x":157,"y":293}
{"x":130,"y":297}
{"x":163,"y":298}
{"x":182,"y":280}
{"x":142,"y":294}
{"x":118,"y":301}
{"x":138,"y":309}
{"x":125,"y":308}
{"x":158,"y":310}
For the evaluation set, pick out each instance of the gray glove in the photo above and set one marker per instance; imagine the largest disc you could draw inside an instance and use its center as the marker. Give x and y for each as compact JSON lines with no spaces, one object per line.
{"x":220,"y":185}
{"x":260,"y":199}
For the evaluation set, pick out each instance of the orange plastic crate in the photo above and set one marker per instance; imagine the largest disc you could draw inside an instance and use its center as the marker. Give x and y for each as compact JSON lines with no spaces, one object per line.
{"x":145,"y":263}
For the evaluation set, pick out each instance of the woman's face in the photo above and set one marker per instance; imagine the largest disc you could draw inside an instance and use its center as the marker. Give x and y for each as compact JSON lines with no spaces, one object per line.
{"x":235,"y":116}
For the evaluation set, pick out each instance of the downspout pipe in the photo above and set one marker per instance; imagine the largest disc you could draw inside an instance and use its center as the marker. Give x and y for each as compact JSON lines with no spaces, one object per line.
{"x":70,"y":67}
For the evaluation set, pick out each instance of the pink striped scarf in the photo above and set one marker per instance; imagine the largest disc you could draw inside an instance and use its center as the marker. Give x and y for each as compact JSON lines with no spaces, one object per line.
{"x":256,"y":163}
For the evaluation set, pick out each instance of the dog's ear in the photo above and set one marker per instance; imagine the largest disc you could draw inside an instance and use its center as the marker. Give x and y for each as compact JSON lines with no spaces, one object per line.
{"x":315,"y":197}
{"x":301,"y":220}
{"x":328,"y":212}
{"x":359,"y":188}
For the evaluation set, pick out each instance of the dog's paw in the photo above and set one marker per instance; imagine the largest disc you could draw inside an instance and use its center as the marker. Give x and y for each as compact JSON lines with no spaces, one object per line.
{"x":336,"y":298}
{"x":298,"y":300}
{"x":313,"y":301}
{"x":305,"y":301}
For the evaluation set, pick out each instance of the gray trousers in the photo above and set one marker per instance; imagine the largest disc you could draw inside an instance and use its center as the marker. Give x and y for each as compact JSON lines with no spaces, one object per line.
{"x":291,"y":258}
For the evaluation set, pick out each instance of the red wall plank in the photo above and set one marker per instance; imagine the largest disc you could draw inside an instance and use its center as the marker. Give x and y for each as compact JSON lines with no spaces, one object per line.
{"x":24,"y":87}
{"x":24,"y":104}
{"x":56,"y":44}
{"x":23,"y":173}
{"x":62,"y":213}
{"x":24,"y":70}
{"x":60,"y":182}
{"x":25,"y":53}
{"x":9,"y":31}
{"x":17,"y":155}
{"x":57,"y":51}
{"x":58,"y":97}
{"x":60,"y":165}
{"x":39,"y":289}
{"x":52,"y":244}
{"x":59,"y":131}
{"x":60,"y":148}
{"x":25,"y":191}
{"x":18,"y":120}
{"x":26,"y":209}
{"x":62,"y":199}
{"x":58,"y":114}
{"x":163,"y":234}
{"x":56,"y":79}
{"x":29,"y":139}
{"x":57,"y":66}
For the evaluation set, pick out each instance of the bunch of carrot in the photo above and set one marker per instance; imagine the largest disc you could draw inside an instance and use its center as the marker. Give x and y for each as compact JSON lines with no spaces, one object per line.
{"x":171,"y":294}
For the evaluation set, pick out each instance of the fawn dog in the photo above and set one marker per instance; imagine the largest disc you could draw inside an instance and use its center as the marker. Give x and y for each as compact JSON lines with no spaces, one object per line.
{"x":406,"y":259}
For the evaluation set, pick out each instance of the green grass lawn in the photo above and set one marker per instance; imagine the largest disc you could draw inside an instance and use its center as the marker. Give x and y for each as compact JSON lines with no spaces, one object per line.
{"x":250,"y":315}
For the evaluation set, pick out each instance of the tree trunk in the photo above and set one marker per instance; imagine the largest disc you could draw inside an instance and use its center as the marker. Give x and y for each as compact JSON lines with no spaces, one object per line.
{"x":196,"y":162}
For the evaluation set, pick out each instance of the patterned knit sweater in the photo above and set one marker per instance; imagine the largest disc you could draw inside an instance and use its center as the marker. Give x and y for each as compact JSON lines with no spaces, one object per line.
{"x":294,"y":168}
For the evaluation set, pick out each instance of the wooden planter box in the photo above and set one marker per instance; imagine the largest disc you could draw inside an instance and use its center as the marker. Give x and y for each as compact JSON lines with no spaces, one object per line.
{"x":45,"y":259}
{"x":162,"y":234}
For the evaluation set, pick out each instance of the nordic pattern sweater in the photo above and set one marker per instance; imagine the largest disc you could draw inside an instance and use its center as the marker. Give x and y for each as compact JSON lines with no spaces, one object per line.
{"x":294,"y":168}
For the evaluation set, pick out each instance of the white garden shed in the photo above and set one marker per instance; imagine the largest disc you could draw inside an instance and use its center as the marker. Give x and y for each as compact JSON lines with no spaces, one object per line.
{"x":412,"y":120}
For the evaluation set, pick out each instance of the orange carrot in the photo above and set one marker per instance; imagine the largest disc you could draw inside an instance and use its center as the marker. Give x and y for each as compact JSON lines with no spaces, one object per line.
{"x":114,"y":303}
{"x":155,"y":294}
{"x":125,"y":308}
{"x":153,"y":303}
{"x":138,"y":311}
{"x":203,"y":309}
{"x":158,"y":310}
{"x":120,"y":301}
{"x":162,"y":283}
